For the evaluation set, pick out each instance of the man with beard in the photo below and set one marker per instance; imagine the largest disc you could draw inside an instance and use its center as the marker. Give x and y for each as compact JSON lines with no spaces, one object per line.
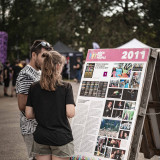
{"x":29,"y":74}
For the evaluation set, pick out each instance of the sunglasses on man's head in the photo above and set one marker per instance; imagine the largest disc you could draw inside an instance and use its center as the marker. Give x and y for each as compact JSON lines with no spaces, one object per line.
{"x":44,"y":44}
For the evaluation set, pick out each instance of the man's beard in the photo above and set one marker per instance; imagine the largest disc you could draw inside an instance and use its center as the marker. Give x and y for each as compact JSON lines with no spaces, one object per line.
{"x":37,"y":65}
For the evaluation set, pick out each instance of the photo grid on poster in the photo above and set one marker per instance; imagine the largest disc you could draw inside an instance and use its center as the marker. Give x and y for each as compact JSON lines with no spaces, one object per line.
{"x":119,"y":109}
{"x":93,"y":89}
{"x":109,"y":136}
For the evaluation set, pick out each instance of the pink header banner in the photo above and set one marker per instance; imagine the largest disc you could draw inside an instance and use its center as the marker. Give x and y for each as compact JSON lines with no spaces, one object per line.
{"x":129,"y":55}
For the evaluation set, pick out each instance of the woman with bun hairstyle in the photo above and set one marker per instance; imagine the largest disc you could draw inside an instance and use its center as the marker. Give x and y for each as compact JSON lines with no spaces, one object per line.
{"x":50,"y":101}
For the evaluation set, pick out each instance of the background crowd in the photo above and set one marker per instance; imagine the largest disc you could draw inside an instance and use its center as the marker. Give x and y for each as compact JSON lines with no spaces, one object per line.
{"x":8,"y":75}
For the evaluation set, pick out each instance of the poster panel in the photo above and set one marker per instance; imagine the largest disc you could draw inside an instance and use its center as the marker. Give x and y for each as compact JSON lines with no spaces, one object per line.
{"x":108,"y":102}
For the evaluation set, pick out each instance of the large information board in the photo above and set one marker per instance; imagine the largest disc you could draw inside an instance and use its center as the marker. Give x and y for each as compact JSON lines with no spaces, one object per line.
{"x":108,"y":102}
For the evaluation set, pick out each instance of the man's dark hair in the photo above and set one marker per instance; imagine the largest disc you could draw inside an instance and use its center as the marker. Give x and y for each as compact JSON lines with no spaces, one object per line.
{"x":36,"y":47}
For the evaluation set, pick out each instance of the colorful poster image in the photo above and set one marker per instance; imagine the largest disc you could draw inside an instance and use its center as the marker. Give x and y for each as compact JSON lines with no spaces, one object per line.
{"x":137,"y":67}
{"x":114,"y":83}
{"x":117,"y":154}
{"x":119,"y":104}
{"x":128,"y":115}
{"x":89,"y":70}
{"x":130,"y":105}
{"x":124,"y":83}
{"x":113,"y":142}
{"x":100,"y":146}
{"x":123,"y":134}
{"x":126,"y":125}
{"x":121,"y":70}
{"x":135,"y":80}
{"x":114,"y":93}
{"x":109,"y":128}
{"x":129,"y":94}
{"x":108,"y":108}
{"x":117,"y":113}
{"x":107,"y":152}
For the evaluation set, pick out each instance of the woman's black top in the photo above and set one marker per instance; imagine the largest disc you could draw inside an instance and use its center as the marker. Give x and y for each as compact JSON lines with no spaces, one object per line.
{"x":50,"y":112}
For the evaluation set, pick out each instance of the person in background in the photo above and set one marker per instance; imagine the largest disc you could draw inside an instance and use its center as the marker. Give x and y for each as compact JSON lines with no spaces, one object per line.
{"x":15,"y":71}
{"x":29,"y":74}
{"x":20,"y":64}
{"x":6,"y":77}
{"x":50,"y":101}
{"x":78,"y":68}
{"x":65,"y":70}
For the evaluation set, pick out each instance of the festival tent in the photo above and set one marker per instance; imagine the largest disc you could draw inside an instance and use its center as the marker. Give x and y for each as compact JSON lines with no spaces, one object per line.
{"x":71,"y":56}
{"x":134,"y":43}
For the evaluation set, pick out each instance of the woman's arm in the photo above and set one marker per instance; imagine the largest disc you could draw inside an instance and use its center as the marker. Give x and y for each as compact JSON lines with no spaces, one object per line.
{"x":29,"y":112}
{"x":70,"y":110}
{"x":77,"y":66}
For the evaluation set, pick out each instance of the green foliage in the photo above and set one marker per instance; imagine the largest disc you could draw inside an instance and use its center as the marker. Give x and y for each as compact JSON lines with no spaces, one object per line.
{"x":78,"y":23}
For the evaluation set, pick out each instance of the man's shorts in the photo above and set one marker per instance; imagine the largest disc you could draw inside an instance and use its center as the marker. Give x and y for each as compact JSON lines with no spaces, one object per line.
{"x":28,"y":139}
{"x":6,"y":82}
{"x":63,"y":151}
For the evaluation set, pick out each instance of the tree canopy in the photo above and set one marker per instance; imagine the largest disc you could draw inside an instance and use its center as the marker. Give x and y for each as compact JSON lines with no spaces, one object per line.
{"x":78,"y":23}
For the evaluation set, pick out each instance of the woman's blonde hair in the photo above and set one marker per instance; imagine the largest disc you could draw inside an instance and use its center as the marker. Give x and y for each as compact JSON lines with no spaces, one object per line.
{"x":51,"y":76}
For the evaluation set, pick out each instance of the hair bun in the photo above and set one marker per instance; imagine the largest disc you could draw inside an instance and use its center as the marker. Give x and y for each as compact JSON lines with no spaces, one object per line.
{"x":45,"y":55}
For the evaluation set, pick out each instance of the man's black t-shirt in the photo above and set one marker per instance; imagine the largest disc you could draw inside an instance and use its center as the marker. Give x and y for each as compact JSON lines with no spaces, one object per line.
{"x":50,"y":112}
{"x":6,"y":77}
{"x":16,"y":70}
{"x":80,"y":65}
